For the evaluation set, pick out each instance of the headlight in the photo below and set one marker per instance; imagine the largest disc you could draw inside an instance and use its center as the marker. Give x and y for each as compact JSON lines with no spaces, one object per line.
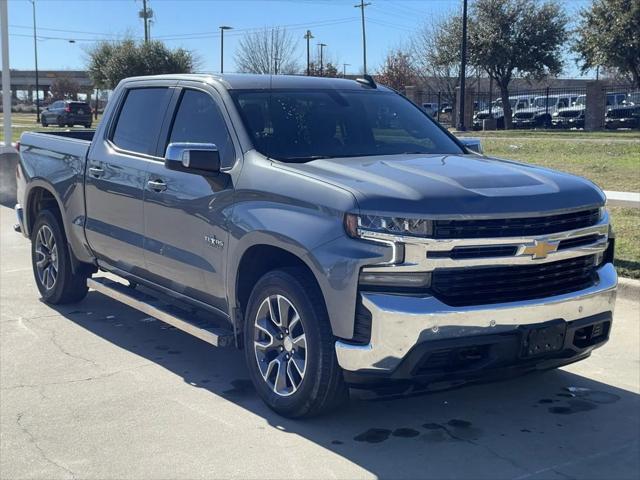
{"x":555,"y":114}
{"x":358,"y":225}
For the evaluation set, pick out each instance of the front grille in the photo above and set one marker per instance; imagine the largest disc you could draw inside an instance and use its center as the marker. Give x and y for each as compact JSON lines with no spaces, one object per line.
{"x":515,"y":227}
{"x":524,"y":115}
{"x":483,"y":116}
{"x":570,"y":113}
{"x":466,"y":253}
{"x":489,"y":285}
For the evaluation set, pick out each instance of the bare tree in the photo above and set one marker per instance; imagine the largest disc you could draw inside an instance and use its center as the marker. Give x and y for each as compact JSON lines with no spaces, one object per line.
{"x":435,"y":55}
{"x":268,"y":51}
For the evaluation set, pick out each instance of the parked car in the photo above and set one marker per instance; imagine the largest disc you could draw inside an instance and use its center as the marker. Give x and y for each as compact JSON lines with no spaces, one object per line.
{"x":540,"y":113}
{"x":430,"y":108}
{"x":517,"y":103}
{"x":570,"y":117}
{"x":336,"y":249}
{"x":66,"y":112}
{"x":615,"y":99}
{"x":632,"y":98}
{"x":622,"y":116}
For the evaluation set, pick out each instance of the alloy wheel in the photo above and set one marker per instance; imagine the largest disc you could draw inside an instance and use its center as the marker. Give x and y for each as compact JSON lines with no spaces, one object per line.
{"x":280,"y":345}
{"x":46,"y":252}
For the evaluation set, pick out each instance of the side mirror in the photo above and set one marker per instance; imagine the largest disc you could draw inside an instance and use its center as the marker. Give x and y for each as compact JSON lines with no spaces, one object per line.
{"x":200,"y":158}
{"x":474,"y":144}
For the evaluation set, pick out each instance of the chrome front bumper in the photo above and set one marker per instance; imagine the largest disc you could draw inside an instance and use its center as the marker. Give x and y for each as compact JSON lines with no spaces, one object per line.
{"x":401,"y":322}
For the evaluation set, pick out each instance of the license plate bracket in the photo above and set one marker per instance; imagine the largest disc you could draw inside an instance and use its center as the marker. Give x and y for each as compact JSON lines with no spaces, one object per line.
{"x":544,"y":339}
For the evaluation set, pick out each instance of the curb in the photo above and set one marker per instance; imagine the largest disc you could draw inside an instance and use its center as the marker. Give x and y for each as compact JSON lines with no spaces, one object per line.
{"x":628,"y":289}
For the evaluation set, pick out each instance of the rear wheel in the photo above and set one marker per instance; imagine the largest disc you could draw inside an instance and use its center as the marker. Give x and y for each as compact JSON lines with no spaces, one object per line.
{"x":87,"y":125}
{"x":60,"y":122}
{"x":43,"y":122}
{"x":51,"y":261}
{"x":289,"y":346}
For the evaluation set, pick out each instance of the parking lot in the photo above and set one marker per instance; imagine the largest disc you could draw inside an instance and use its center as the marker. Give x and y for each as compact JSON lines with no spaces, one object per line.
{"x":97,"y":390}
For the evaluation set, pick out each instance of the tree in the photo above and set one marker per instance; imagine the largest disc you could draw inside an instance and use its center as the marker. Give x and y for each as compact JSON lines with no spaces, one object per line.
{"x":64,"y":88}
{"x":328,"y":69}
{"x":608,"y":35}
{"x":397,"y":71}
{"x":435,"y":52}
{"x":516,"y":37}
{"x":110,"y":62}
{"x":269,"y":51}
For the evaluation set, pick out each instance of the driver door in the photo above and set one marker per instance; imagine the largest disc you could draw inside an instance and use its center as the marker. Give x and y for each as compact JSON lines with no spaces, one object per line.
{"x":185,"y":213}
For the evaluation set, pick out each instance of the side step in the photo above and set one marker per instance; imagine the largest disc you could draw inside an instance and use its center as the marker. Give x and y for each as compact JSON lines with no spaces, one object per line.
{"x":163,"y":311}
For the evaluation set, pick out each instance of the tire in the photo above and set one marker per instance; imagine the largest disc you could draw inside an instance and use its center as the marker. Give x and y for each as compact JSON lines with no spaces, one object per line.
{"x":87,"y":125}
{"x":49,"y":249}
{"x":60,"y":122}
{"x":317,"y":384}
{"x":43,"y":122}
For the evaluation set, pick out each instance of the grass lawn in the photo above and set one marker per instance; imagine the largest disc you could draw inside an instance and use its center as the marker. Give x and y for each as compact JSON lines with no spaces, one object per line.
{"x":609,"y":159}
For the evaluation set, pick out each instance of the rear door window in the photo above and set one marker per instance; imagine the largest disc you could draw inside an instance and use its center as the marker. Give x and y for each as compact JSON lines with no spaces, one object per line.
{"x":140,"y":119}
{"x":199,"y":120}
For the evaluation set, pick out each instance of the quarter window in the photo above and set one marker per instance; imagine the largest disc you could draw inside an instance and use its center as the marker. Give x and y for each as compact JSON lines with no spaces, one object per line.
{"x":138,"y":125}
{"x":199,"y":120}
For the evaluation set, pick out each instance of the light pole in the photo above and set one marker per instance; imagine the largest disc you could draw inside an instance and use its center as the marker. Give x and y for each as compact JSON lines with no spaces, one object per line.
{"x":322,"y":45}
{"x":35,"y":53}
{"x":222,"y":29}
{"x":308,"y":37}
{"x":463,"y":68}
{"x":344,"y":69}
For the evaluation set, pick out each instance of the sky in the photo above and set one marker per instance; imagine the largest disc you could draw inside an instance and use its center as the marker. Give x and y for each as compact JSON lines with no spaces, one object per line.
{"x":193,"y":24}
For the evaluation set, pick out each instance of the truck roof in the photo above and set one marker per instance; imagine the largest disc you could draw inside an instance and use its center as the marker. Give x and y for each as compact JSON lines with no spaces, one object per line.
{"x":243,"y":81}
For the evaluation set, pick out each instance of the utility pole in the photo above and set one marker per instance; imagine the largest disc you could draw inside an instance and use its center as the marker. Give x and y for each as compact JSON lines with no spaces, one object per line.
{"x":308,"y":37}
{"x":463,"y":68}
{"x":344,"y":69}
{"x":6,"y":72}
{"x":362,"y":6}
{"x":222,"y":29}
{"x":322,"y":45}
{"x":145,"y":14}
{"x":35,"y":53}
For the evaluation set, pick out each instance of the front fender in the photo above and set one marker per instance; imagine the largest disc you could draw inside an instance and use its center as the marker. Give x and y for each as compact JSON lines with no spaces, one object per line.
{"x":320,"y":242}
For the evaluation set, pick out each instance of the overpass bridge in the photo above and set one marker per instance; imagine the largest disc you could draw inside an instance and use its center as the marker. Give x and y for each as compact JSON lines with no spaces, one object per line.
{"x":24,"y":82}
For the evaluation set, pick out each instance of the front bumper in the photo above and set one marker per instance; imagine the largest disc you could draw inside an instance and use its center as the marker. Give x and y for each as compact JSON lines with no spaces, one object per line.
{"x":401,"y":323}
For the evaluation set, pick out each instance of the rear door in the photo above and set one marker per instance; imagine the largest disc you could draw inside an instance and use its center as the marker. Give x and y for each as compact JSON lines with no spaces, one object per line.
{"x":185,"y":214}
{"x":116,"y":174}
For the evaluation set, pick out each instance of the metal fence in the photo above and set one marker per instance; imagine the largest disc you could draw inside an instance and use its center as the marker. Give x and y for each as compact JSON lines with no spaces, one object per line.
{"x":546,"y":108}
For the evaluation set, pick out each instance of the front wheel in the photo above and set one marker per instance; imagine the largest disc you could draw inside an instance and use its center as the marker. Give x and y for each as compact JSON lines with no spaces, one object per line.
{"x":289,"y":346}
{"x":51,"y":261}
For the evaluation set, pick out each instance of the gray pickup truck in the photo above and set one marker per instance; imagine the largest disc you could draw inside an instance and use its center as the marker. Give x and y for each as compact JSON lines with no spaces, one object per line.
{"x":329,"y":227}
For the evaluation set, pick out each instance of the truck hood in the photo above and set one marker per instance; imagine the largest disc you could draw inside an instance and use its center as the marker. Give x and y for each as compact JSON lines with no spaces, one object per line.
{"x":452,"y":185}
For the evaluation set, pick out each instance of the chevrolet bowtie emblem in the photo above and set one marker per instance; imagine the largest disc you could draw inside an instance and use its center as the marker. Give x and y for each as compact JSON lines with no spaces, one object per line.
{"x":540,"y":249}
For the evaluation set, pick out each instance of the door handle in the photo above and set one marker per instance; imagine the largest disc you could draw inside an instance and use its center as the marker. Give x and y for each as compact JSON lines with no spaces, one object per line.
{"x":157,"y":185}
{"x":96,"y":172}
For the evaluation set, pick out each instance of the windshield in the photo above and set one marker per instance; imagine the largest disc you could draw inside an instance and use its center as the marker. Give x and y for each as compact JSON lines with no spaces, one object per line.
{"x":581,"y":100}
{"x":303,"y":125}
{"x":542,"y":102}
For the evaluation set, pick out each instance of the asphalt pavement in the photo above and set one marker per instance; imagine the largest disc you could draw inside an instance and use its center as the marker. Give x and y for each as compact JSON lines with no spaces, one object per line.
{"x":97,"y":390}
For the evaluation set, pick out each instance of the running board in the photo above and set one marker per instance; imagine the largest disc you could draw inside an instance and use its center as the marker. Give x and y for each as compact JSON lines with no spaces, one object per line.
{"x":163,"y":311}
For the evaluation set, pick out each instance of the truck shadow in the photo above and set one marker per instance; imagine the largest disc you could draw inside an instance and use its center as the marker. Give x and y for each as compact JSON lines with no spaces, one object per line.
{"x":535,"y":425}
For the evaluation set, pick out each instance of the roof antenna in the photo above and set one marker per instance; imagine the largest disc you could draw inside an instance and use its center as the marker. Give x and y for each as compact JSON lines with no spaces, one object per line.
{"x":367,"y":80}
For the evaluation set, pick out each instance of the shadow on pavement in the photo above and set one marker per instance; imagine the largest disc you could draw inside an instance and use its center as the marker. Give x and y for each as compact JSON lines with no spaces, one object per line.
{"x":529,"y":427}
